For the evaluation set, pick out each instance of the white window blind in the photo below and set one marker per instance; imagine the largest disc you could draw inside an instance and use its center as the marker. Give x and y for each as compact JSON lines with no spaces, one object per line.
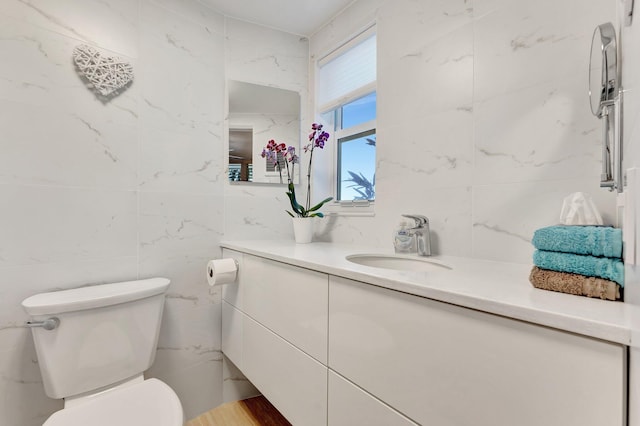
{"x":347,"y":73}
{"x":234,"y":172}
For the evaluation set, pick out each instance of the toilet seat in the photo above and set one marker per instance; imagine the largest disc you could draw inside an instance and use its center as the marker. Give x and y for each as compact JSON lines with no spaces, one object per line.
{"x":150,"y":402}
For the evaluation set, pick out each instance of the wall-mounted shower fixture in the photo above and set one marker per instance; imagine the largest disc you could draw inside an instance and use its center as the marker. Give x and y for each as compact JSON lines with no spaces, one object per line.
{"x":605,"y":96}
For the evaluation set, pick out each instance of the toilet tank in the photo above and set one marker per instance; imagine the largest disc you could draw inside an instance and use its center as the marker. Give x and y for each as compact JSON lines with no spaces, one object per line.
{"x":107,"y":333}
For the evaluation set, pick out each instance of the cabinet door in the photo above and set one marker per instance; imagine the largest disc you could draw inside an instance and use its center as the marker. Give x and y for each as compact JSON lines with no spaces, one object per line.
{"x":290,"y":301}
{"x":350,"y":405}
{"x":291,"y":380}
{"x":444,"y":365}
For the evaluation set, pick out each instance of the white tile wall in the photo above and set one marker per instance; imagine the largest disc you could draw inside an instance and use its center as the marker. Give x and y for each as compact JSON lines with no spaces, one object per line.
{"x":630,"y":42}
{"x":630,"y":45}
{"x":483,"y":119}
{"x":543,"y":132}
{"x":262,"y":55}
{"x":111,"y":25}
{"x":483,"y":126}
{"x":96,"y":191}
{"x":265,"y":56}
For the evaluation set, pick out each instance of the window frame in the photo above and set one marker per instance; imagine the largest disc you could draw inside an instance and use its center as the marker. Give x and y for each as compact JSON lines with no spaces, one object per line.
{"x":355,"y":207}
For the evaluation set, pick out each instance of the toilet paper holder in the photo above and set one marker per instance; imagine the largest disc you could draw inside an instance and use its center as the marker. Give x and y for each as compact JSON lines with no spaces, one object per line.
{"x":222,"y":271}
{"x":210,"y":271}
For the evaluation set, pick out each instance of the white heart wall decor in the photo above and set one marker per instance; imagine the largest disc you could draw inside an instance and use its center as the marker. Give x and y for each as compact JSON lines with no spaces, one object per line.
{"x":107,"y":74}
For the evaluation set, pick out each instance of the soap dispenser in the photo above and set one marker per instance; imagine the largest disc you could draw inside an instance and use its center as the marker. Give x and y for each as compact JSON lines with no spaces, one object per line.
{"x":403,"y":240}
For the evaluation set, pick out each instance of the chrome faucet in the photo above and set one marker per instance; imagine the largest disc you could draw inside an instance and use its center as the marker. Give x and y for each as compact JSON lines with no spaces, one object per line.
{"x":421,"y":232}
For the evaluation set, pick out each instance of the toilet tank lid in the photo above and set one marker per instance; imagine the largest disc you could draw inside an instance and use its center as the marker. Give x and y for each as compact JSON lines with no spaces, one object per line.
{"x":95,"y":296}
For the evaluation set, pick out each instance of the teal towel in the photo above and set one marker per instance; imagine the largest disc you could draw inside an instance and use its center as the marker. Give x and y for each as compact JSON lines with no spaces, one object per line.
{"x":602,"y":267}
{"x":588,"y":240}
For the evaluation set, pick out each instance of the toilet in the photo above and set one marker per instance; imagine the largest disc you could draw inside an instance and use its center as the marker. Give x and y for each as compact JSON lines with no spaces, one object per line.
{"x":93,"y":345}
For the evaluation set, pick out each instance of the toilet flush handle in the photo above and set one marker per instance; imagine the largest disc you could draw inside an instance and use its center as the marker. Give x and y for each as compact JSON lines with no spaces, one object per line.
{"x":48,"y":324}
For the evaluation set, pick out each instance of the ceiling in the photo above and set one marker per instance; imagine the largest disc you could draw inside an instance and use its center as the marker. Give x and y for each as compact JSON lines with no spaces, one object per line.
{"x":302,"y":17}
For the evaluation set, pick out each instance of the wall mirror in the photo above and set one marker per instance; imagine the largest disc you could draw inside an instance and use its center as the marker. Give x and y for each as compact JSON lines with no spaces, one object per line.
{"x":603,"y":76}
{"x":258,"y":114}
{"x":604,"y":97}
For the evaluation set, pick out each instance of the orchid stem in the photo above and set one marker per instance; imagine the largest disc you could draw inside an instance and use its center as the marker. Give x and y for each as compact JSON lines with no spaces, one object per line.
{"x":309,"y":180}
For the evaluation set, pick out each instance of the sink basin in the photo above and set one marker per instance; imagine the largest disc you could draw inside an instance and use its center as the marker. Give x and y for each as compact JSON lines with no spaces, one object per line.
{"x":397,"y":262}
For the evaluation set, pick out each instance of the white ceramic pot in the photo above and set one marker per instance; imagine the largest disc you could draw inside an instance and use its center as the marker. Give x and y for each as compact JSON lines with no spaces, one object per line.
{"x":302,"y":229}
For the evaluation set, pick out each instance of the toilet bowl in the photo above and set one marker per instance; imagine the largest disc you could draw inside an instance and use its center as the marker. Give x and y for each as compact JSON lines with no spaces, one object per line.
{"x":93,"y":345}
{"x":149,"y":402}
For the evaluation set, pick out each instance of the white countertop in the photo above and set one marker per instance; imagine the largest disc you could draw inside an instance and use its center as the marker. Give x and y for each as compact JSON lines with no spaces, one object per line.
{"x":495,"y":287}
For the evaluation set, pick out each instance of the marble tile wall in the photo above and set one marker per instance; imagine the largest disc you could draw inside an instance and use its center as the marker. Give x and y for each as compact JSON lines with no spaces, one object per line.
{"x":268,"y":57}
{"x":483,"y":119}
{"x":630,"y":45}
{"x":97,"y":191}
{"x":261,"y":55}
{"x":100,"y":191}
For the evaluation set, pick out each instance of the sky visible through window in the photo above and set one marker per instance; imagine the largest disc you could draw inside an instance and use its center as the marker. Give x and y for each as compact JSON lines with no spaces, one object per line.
{"x":357,"y":154}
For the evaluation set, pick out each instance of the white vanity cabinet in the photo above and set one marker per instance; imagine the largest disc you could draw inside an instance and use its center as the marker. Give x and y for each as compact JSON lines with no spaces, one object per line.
{"x":327,"y":350}
{"x":444,"y":365}
{"x":349,"y":405}
{"x":274,"y":328}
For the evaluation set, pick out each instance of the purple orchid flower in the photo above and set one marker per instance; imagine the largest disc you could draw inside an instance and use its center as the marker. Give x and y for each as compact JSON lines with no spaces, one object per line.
{"x":317,"y":139}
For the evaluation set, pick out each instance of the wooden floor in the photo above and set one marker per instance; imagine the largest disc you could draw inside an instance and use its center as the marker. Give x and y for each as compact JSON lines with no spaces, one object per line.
{"x":249,"y":412}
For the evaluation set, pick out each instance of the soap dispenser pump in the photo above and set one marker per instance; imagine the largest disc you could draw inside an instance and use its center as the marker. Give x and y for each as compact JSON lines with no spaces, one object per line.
{"x":403,"y":240}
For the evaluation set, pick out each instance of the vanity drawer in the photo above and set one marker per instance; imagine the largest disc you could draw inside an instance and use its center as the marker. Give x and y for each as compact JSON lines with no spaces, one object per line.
{"x":290,"y":301}
{"x":444,"y":365}
{"x":349,"y":405}
{"x":292,"y":381}
{"x":232,"y":332}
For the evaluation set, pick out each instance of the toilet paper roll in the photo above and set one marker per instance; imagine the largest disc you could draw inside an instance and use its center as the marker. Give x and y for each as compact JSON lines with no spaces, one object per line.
{"x":221,"y":271}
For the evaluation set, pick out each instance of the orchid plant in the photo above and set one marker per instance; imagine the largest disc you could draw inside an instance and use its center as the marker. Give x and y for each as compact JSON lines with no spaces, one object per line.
{"x":317,"y":139}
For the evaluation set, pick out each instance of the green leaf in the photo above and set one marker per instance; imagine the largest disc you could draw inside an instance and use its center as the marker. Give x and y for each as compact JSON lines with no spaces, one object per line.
{"x":289,"y":213}
{"x":320,"y":204}
{"x":292,"y":199}
{"x":294,"y":205}
{"x":319,"y":214}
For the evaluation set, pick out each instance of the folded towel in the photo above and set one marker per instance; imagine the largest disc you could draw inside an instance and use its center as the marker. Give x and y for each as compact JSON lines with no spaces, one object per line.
{"x":574,"y":284}
{"x":589,"y":240}
{"x":602,"y":267}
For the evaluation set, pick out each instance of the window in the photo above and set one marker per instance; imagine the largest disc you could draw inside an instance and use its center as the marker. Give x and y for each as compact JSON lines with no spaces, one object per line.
{"x":347,"y":103}
{"x":355,"y":136}
{"x":270,"y":165}
{"x":235,"y":172}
